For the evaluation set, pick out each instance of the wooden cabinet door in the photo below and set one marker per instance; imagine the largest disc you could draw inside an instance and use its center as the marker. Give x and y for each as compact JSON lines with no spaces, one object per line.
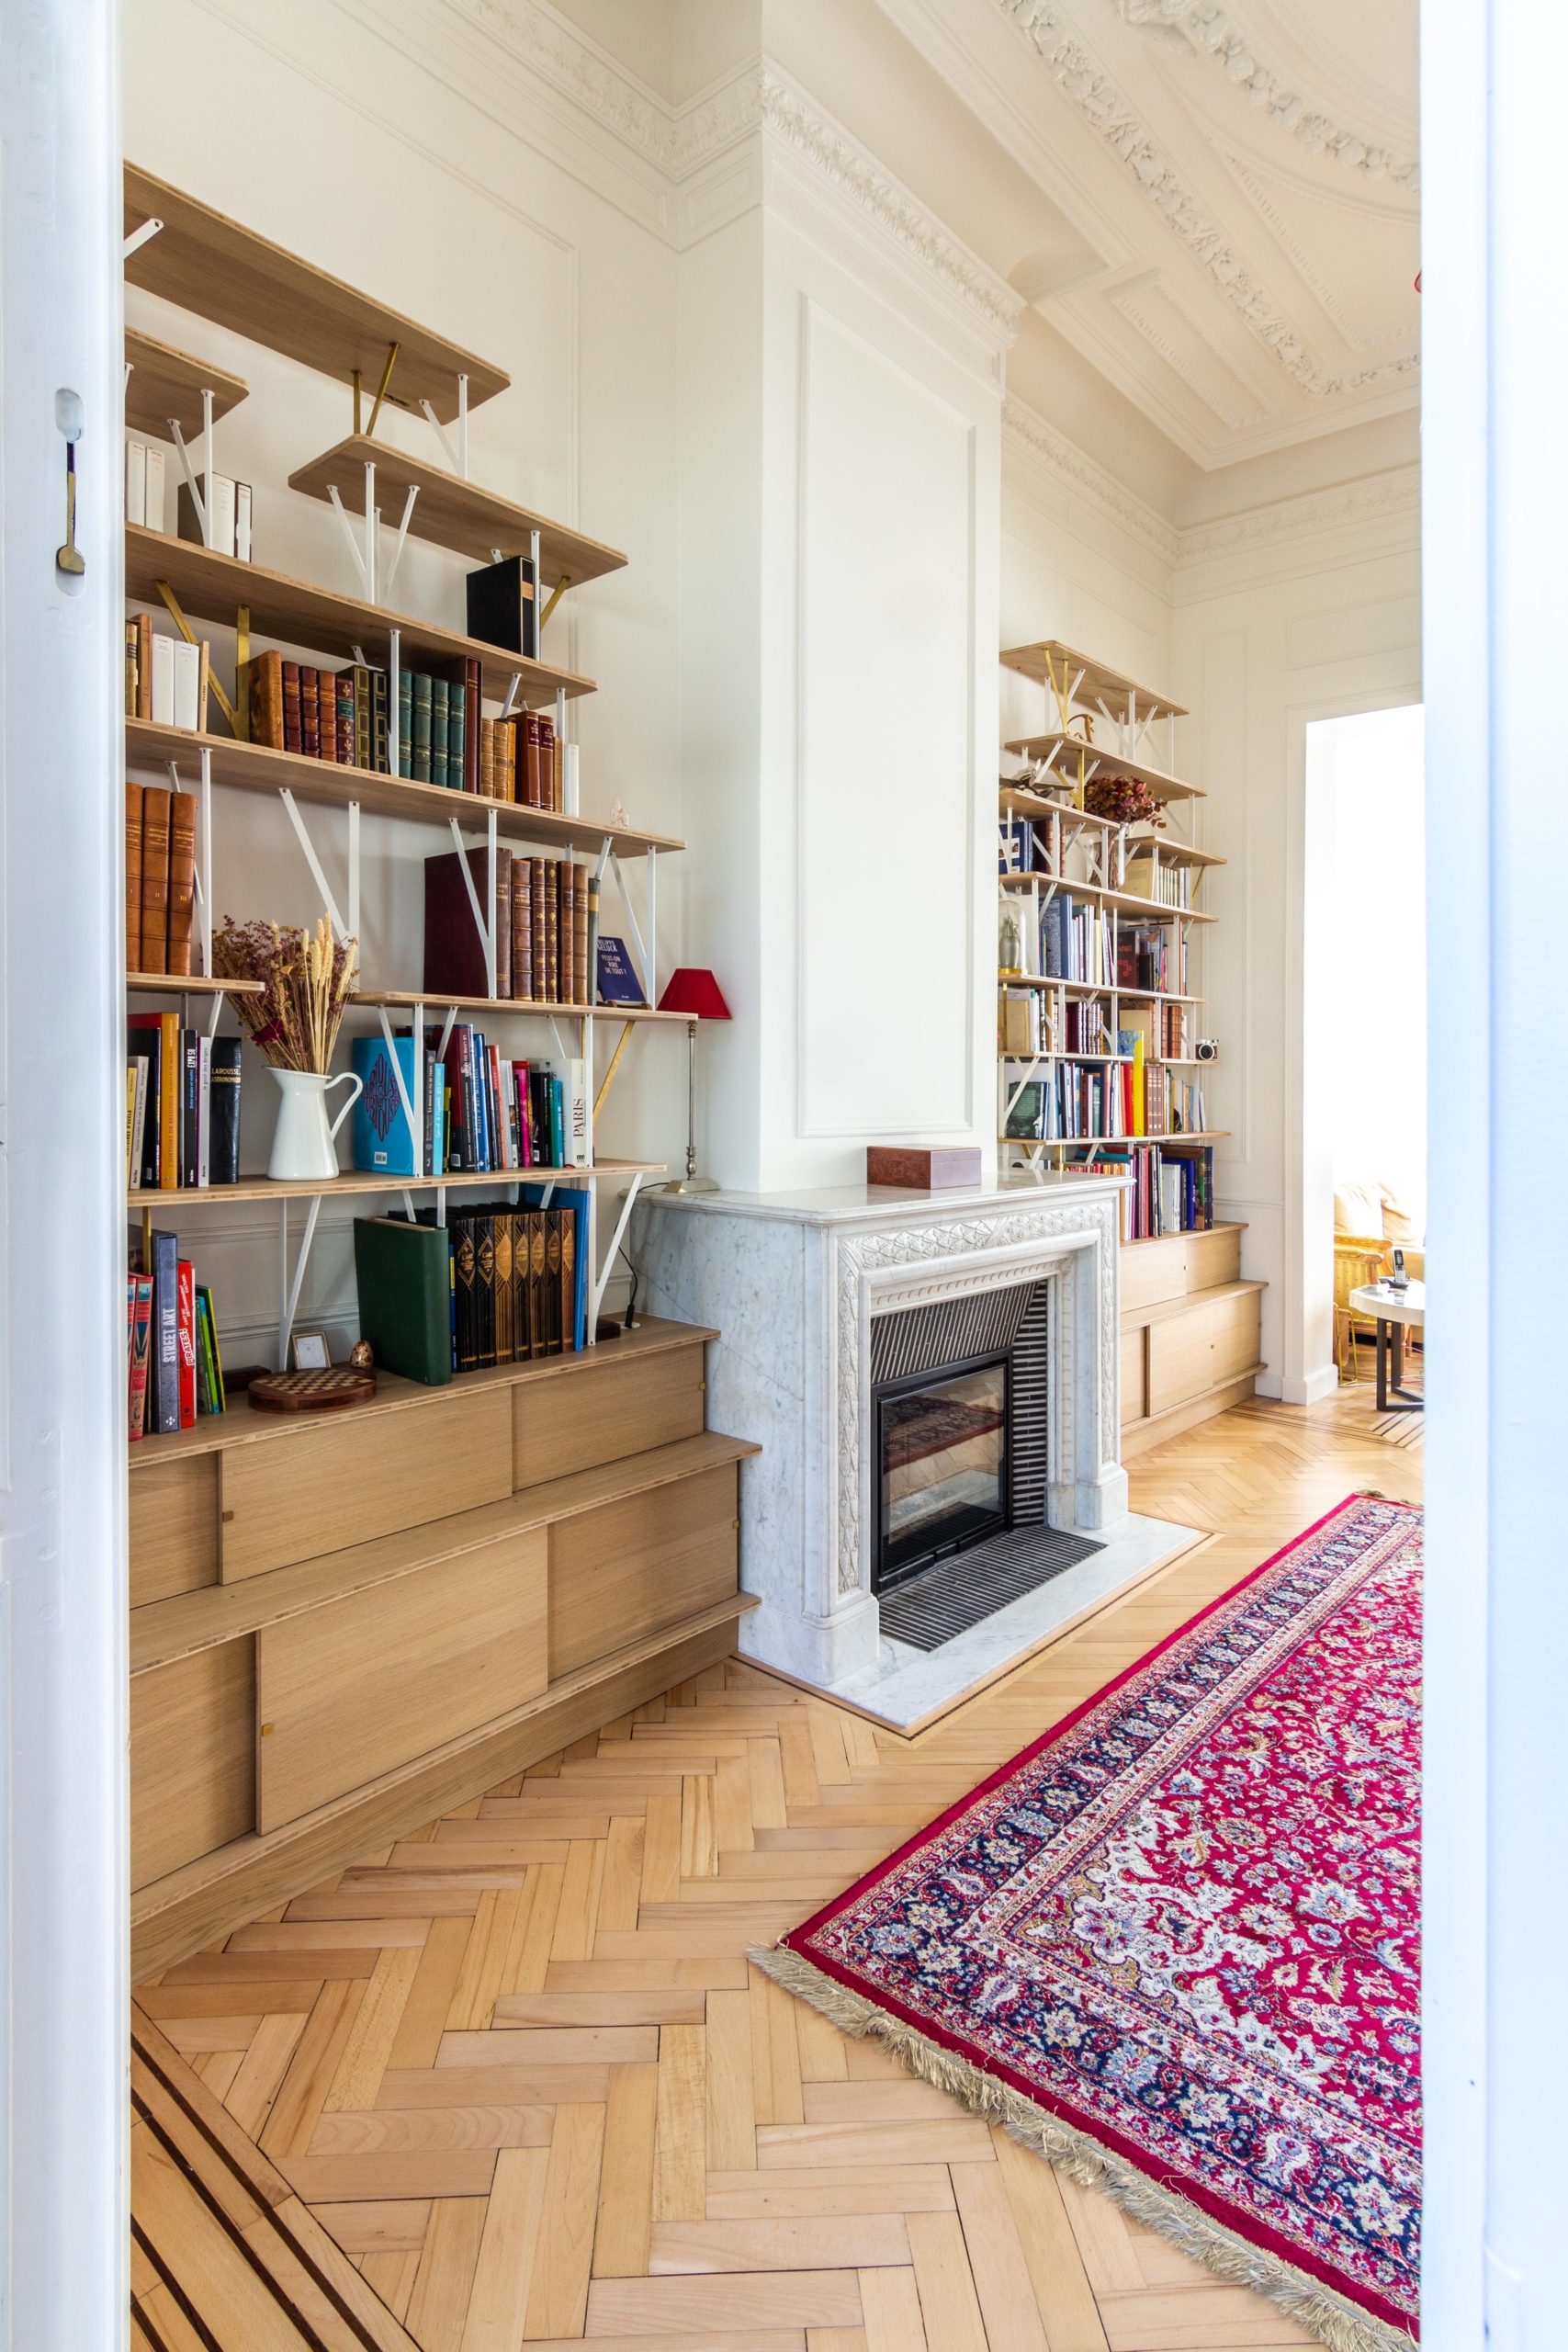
{"x":632,"y":1568}
{"x":366,"y":1684}
{"x":1134,"y":1394}
{"x":193,"y":1741}
{"x":605,"y":1411}
{"x":1180,"y":1355}
{"x":354,"y":1479}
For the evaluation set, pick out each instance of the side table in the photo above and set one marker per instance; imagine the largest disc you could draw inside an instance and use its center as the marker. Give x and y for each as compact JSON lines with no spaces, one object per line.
{"x":1392,"y":1311}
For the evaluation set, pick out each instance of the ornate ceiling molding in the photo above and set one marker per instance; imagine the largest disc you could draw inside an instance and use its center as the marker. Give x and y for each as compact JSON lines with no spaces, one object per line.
{"x":1209,"y":31}
{"x":1103,"y":106}
{"x":1078,"y":471}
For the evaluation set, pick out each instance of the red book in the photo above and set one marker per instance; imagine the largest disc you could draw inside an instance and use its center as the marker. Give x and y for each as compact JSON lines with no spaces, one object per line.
{"x":293,"y":739}
{"x":454,"y":957}
{"x":138,"y":1295}
{"x":186,"y":1297}
{"x":310,"y":712}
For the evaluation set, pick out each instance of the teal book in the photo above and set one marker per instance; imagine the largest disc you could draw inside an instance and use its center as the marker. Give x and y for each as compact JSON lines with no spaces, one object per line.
{"x":405,"y":1296}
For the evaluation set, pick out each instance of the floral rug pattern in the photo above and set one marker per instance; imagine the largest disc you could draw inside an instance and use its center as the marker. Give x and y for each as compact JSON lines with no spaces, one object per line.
{"x":1186,"y":1921}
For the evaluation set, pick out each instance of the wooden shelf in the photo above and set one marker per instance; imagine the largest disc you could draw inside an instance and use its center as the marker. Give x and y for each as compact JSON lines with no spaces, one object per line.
{"x":241,"y":1425}
{"x":210,"y":586}
{"x":1197,"y":1232}
{"x":1120,"y":901}
{"x":213,"y":265}
{"x":1151,"y":1061}
{"x":1165,"y":1310}
{"x":536,"y":1007}
{"x":1161,"y":786}
{"x":1097,"y":988}
{"x":1095,"y":678}
{"x":252,"y":767}
{"x":186,"y":984}
{"x":267,"y":1188}
{"x":167,"y":383}
{"x":452,"y":513}
{"x":1101,"y":1143}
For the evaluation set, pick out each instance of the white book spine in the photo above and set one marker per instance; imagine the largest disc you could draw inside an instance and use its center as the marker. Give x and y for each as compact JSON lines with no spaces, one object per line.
{"x":243,"y":521}
{"x":164,"y":680}
{"x":187,"y":683}
{"x":574,"y":1092}
{"x":154,"y":503}
{"x":136,"y":481}
{"x":139,"y":1122}
{"x":220,"y":489}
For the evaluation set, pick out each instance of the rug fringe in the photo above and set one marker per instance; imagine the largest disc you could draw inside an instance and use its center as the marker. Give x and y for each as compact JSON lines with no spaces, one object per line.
{"x":1336,"y":2322}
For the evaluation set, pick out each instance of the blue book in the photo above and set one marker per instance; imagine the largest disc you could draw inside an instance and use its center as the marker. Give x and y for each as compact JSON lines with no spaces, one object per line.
{"x":382,"y":1142}
{"x":618,"y":984}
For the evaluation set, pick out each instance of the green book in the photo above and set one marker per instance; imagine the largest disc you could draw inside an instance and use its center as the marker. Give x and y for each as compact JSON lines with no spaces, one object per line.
{"x":438,"y":765}
{"x":405,"y":1296}
{"x":419,"y":728}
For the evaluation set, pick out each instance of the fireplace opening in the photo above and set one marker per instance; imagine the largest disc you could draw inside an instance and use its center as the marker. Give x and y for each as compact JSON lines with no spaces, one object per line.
{"x":942,"y":1447}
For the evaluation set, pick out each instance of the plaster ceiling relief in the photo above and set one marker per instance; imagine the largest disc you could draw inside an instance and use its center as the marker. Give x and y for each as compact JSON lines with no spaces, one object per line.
{"x":1260,"y":196}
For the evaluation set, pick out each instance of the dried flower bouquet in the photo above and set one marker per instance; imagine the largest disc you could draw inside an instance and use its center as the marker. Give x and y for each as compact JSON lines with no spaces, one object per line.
{"x":307,"y":978}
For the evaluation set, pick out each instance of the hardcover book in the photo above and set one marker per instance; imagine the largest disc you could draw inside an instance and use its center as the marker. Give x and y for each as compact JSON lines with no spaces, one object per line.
{"x":382,"y":1141}
{"x":618,"y":984}
{"x":403,"y":1274}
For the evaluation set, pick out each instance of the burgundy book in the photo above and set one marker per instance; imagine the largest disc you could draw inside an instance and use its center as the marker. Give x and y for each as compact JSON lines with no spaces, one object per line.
{"x":522,"y":927}
{"x":453,"y":957}
{"x":310,"y":712}
{"x":293,"y":737}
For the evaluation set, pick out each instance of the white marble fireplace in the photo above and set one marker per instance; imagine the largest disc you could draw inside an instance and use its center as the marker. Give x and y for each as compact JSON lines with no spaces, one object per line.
{"x":793,"y":1281}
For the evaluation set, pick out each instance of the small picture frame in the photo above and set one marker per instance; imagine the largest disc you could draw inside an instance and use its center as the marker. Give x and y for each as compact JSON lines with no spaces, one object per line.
{"x":310,"y":1351}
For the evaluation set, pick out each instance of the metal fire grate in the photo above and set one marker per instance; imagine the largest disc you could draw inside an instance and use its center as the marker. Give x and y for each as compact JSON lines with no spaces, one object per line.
{"x":958,"y":1592}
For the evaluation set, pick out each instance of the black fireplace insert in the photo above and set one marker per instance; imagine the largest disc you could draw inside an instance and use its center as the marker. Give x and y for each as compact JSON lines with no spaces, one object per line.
{"x":942,"y":1463}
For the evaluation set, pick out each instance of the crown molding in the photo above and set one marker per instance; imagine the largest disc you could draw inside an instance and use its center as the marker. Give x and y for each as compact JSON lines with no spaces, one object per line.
{"x":1073,"y":469}
{"x":1209,"y":31}
{"x":1087,"y":87}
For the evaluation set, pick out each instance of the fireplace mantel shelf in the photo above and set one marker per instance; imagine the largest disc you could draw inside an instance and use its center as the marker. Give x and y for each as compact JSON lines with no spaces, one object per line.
{"x":882,"y":1203}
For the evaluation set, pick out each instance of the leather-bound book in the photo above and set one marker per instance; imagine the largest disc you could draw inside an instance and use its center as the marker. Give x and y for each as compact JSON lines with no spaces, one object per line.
{"x":504,"y":864}
{"x":419,"y":723}
{"x":568,"y":1281}
{"x":522,"y":1244}
{"x":539,"y":869}
{"x":454,"y":957}
{"x":326,"y":715}
{"x":267,"y":701}
{"x":552,"y":930}
{"x":224,"y":1078}
{"x":563,"y":931}
{"x":133,"y":796}
{"x":549,"y":764}
{"x":586,"y":925}
{"x":504,"y":1223}
{"x":487,"y":759}
{"x":464,"y":1271}
{"x":182,"y":879}
{"x":591,"y":943}
{"x":154,"y":881}
{"x":523,"y":928}
{"x":484,"y":1289}
{"x":346,"y":694}
{"x":528,"y":729}
{"x":363,"y":701}
{"x":506,"y":759}
{"x":293,"y":720}
{"x":309,"y":711}
{"x":552,"y":1282}
{"x":130,"y":677}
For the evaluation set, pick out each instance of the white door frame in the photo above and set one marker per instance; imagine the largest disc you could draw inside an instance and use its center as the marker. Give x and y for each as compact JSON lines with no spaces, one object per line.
{"x":64,"y":2273}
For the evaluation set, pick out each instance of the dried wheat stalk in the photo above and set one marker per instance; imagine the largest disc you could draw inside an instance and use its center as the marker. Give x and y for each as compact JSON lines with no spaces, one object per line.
{"x":306,"y":978}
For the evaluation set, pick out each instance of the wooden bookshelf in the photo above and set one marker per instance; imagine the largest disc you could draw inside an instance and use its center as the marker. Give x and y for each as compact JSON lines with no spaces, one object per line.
{"x":1094,"y":682}
{"x":167,"y":383}
{"x":1190,"y":1323}
{"x":452,"y":513}
{"x":212,"y":266}
{"x":253,"y":767}
{"x":343,"y":1624}
{"x":210,"y":586}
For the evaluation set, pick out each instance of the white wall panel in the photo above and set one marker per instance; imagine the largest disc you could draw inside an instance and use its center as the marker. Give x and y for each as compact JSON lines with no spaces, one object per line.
{"x":886,"y":940}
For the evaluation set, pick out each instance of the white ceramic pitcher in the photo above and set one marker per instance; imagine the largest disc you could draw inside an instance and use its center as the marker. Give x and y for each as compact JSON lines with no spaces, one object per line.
{"x":302,"y":1142}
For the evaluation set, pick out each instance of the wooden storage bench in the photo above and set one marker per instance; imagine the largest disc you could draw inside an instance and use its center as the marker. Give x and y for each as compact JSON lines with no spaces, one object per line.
{"x":1190,"y":1326}
{"x":340,"y":1626}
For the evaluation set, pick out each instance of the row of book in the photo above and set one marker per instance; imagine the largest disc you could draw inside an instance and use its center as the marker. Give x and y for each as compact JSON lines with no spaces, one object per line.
{"x":166,"y":678}
{"x":1026,"y":1026}
{"x":1072,"y":940}
{"x":172,"y":1362}
{"x":1023,"y":848}
{"x":546,"y":927}
{"x":182,"y":1105}
{"x":444,"y":738}
{"x":1076,"y":1101}
{"x":482,"y":1113}
{"x":160,"y":879}
{"x":1172,"y":1189}
{"x":146,"y":495}
{"x":496,"y":1284}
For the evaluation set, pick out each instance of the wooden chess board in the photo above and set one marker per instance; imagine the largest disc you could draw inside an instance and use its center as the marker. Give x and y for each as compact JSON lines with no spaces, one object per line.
{"x":310,"y":1392}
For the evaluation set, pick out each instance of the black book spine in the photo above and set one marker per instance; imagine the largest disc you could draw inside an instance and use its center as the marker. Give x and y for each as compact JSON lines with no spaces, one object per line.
{"x":223,"y":1148}
{"x":464,"y":1336}
{"x":484,"y":1290}
{"x":379,"y":756}
{"x":150,"y":1041}
{"x":190,"y":1107}
{"x":164,"y":1373}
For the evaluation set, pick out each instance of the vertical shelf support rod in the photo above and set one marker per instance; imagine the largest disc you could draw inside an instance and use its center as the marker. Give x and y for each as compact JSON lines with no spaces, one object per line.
{"x":394,"y":753}
{"x":603,"y":1282}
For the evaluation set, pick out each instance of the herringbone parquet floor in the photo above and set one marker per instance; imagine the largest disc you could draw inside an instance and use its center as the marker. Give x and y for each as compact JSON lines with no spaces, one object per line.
{"x":518,"y":2068}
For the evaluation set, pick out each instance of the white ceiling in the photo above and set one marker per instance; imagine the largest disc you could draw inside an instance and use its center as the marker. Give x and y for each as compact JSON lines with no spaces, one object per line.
{"x":1233,"y":199}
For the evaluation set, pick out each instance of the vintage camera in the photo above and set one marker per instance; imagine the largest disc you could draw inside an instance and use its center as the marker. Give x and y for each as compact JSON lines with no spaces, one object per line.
{"x":1207,"y":1049}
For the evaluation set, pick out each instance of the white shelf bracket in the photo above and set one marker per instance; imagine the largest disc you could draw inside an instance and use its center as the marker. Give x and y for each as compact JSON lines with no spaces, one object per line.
{"x":195,"y":497}
{"x":509,"y":707}
{"x":215,"y":1014}
{"x":453,"y":457}
{"x":346,"y":528}
{"x":603,"y":1282}
{"x":641,"y":952}
{"x":288,"y":1292}
{"x":402,"y":535}
{"x":353,"y":866}
{"x":204,"y":865}
{"x":394,"y":645}
{"x":416,"y":1126}
{"x":314,"y":863}
{"x":486,"y":930}
{"x":137,"y":238}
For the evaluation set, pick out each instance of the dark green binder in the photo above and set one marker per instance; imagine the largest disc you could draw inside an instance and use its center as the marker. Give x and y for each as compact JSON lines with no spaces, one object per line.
{"x":405,"y":1296}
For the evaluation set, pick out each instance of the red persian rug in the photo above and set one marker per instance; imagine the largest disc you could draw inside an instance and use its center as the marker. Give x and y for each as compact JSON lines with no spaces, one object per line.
{"x":1174,"y":1945}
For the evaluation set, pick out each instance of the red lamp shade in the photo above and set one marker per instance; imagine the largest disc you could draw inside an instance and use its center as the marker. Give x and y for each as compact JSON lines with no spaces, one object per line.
{"x":690,"y":990}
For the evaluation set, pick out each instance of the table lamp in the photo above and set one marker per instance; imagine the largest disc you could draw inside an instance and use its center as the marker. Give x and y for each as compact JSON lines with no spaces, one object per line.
{"x":698,"y":995}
